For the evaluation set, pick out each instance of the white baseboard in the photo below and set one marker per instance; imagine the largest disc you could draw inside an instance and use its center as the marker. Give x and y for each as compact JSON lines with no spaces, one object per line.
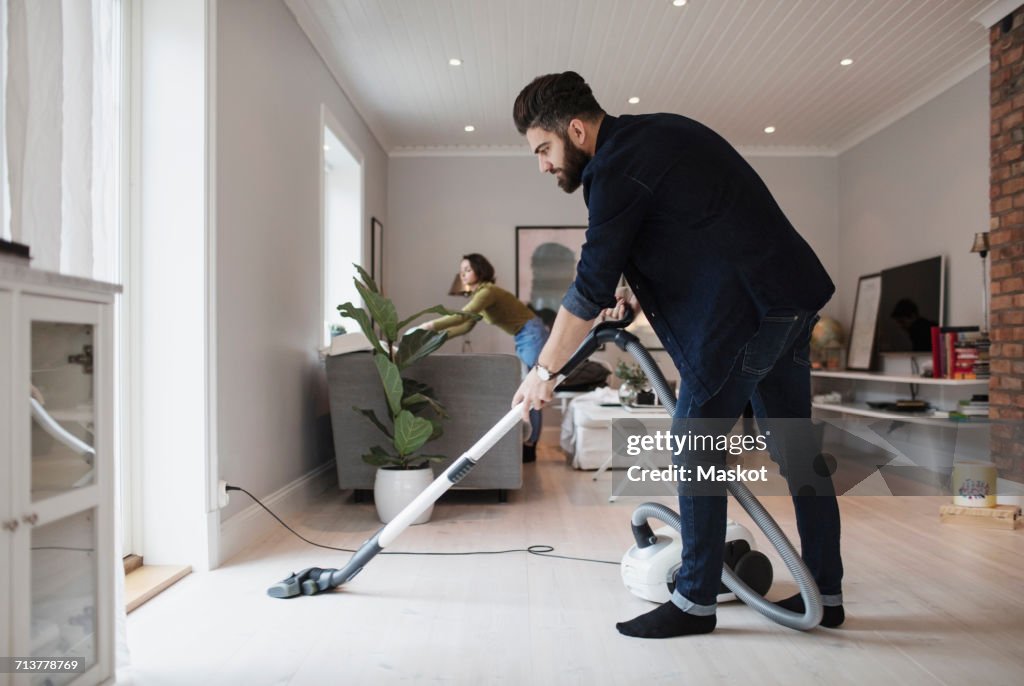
{"x":253,"y":524}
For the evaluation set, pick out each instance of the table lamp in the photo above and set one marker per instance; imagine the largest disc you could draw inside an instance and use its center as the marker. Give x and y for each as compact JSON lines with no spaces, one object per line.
{"x":981,"y":246}
{"x":458,"y":288}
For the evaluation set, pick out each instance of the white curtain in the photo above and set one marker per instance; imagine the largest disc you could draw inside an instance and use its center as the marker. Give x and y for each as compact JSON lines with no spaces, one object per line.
{"x":60,"y":133}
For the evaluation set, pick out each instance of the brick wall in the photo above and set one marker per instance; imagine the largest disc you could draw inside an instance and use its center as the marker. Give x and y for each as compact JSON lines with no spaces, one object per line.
{"x":1006,"y":390}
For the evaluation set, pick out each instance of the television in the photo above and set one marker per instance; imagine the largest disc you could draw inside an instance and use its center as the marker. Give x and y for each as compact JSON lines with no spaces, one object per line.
{"x":911,"y":303}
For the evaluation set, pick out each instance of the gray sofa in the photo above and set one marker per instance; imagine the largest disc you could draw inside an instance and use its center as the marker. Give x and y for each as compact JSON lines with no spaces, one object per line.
{"x":476,"y":389}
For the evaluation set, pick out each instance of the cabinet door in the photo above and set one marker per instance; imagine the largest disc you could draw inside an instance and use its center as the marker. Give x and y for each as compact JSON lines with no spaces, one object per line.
{"x":6,"y":447}
{"x":62,"y":477}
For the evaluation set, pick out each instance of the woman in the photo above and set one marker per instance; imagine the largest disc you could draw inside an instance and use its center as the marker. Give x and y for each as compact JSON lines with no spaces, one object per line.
{"x":499,"y":307}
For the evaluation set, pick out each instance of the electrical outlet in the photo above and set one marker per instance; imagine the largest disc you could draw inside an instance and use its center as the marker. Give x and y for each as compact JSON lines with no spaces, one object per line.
{"x":222,"y":494}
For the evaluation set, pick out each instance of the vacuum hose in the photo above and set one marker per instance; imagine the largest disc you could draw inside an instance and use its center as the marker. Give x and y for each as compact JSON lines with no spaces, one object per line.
{"x":813,"y":609}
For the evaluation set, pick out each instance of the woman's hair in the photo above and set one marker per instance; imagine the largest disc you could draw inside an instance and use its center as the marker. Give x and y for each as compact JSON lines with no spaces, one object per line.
{"x":552,"y":101}
{"x":483,"y":268}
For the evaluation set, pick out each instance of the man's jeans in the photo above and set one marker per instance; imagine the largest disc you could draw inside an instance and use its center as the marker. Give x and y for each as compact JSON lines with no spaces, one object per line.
{"x":773,"y":373}
{"x":530,"y":341}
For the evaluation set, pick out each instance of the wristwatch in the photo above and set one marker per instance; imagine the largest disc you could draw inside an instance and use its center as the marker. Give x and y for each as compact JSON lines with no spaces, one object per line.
{"x":543,"y":373}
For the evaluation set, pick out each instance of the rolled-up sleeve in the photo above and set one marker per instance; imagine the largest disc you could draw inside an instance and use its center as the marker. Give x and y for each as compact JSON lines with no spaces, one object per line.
{"x":618,"y":205}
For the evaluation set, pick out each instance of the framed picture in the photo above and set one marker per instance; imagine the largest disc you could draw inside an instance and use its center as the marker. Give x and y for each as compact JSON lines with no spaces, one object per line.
{"x":377,"y":252}
{"x":865,"y":322}
{"x":546,"y":258}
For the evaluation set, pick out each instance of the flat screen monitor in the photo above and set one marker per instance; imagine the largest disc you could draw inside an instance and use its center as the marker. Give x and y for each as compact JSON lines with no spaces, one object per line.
{"x":911,"y":303}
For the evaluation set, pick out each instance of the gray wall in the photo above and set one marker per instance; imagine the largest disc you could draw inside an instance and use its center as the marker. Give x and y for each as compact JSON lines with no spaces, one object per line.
{"x":443,"y":207}
{"x":917,"y":189}
{"x":270,"y":84}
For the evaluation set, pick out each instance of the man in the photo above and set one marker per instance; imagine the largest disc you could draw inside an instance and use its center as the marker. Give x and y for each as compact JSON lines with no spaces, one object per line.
{"x":729,"y":286}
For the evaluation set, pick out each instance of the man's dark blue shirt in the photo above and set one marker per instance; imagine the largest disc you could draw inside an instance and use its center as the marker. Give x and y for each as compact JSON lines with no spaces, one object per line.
{"x":700,"y":239}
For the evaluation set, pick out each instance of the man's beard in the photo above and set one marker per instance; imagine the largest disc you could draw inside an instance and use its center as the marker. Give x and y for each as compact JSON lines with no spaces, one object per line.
{"x":570,"y":176}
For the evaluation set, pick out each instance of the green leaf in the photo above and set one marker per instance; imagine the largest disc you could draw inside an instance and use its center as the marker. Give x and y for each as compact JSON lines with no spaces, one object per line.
{"x":367,"y":279}
{"x":415,"y":403}
{"x":418,"y":345}
{"x":410,"y":432}
{"x":436,"y":309}
{"x":363,"y":319}
{"x":382,"y":311}
{"x":378,"y":457}
{"x":392,"y":381}
{"x":372,"y":416}
{"x":438,"y":429}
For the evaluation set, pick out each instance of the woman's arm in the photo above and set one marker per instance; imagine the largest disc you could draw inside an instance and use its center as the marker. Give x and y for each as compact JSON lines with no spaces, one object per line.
{"x":457,"y":325}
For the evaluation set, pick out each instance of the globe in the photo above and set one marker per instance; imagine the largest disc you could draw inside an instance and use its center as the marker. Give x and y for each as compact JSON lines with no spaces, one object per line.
{"x":827,"y":333}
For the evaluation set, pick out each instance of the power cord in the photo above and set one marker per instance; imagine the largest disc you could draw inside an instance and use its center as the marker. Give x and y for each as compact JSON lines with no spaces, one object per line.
{"x":538,"y":550}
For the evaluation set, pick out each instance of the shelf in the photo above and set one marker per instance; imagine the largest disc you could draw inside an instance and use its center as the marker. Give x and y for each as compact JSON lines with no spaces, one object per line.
{"x":893,"y":378}
{"x":864,"y":411}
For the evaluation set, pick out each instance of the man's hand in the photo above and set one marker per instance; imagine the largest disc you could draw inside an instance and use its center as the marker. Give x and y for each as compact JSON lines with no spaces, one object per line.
{"x":534,"y":393}
{"x":623,"y":300}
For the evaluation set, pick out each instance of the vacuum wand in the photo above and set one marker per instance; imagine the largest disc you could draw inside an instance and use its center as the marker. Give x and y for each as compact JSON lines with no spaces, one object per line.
{"x":315,"y":580}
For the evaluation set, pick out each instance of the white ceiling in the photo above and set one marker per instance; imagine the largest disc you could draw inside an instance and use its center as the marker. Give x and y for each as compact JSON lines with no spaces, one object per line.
{"x":736,"y":65}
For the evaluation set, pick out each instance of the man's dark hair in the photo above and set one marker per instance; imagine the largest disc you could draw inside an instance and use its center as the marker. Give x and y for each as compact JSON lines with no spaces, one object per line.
{"x":552,"y":101}
{"x":480,"y":264}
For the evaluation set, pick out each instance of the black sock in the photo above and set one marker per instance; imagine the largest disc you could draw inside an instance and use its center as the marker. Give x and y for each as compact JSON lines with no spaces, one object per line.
{"x":666,"y":621}
{"x":833,"y":616}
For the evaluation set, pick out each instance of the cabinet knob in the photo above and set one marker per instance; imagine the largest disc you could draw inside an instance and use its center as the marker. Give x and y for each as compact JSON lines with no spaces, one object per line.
{"x":29,"y":519}
{"x":10,"y":525}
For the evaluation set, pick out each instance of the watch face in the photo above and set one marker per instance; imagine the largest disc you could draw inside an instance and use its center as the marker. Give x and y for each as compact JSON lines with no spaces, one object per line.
{"x":543,"y":373}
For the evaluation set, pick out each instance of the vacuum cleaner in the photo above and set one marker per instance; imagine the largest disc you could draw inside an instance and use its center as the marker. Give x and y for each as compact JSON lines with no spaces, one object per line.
{"x":647,"y":567}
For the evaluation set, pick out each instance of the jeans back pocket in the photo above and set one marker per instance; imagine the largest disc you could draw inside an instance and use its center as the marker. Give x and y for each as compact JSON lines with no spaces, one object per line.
{"x":764,"y":349}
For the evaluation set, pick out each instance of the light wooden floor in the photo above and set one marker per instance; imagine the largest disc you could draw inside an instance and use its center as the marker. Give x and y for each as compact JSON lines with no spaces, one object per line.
{"x":926,"y":603}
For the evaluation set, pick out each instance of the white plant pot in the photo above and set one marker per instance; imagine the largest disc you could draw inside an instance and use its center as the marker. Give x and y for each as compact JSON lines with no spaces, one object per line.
{"x":393,"y":489}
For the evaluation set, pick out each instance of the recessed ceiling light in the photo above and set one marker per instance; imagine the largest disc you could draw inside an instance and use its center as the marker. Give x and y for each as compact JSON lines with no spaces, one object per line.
{"x":769,"y":129}
{"x":634,"y":100}
{"x":846,"y":62}
{"x":455,"y":62}
{"x":469,"y":128}
{"x":326,"y":148}
{"x":678,"y":3}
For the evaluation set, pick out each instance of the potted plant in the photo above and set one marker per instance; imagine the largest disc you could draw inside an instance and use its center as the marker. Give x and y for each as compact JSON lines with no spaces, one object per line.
{"x":635,"y":389}
{"x":413,"y":413}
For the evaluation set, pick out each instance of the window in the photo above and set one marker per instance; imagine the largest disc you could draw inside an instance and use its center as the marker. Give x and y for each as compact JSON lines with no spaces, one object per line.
{"x":59,"y":133}
{"x":342,"y":203}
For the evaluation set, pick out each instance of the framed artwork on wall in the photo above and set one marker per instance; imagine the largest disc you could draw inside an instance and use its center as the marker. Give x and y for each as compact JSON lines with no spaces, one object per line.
{"x":865,"y":322}
{"x":377,"y":252}
{"x":546,"y":258}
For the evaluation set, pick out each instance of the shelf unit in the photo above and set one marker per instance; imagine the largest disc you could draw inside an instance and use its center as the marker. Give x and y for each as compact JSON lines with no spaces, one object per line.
{"x":897,"y":378}
{"x":56,"y":474}
{"x":859,"y":388}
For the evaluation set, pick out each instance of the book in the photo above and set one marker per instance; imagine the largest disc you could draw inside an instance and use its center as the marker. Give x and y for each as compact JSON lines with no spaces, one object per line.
{"x":958,"y":351}
{"x":13,"y":249}
{"x":14,"y":253}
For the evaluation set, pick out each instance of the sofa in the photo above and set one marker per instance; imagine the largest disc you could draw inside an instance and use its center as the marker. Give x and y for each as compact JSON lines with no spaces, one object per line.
{"x":477,"y":391}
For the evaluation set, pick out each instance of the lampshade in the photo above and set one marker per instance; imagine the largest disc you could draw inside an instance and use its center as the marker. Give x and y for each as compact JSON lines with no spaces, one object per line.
{"x":458,"y":288}
{"x":980,"y":243}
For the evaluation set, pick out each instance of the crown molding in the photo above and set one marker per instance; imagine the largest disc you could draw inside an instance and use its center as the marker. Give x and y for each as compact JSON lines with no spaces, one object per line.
{"x":321,"y":44}
{"x":785,"y":151}
{"x":995,"y":12}
{"x":460,"y":151}
{"x":894,"y":114}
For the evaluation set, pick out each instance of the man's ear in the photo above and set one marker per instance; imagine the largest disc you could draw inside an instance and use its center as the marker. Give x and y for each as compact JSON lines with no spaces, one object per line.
{"x":577,"y":132}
